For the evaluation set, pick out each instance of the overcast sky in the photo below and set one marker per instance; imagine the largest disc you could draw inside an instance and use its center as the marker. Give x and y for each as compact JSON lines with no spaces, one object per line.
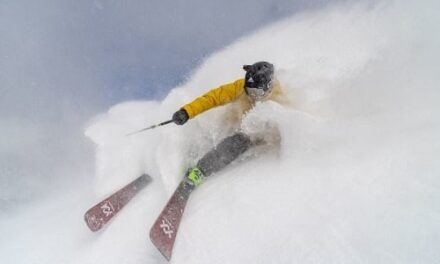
{"x":62,"y":62}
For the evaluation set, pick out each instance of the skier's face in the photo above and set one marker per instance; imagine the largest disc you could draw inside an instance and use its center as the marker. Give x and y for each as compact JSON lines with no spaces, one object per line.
{"x":258,"y":94}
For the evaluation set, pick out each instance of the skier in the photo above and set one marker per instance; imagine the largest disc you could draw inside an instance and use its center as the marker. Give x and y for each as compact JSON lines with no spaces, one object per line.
{"x":258,"y":85}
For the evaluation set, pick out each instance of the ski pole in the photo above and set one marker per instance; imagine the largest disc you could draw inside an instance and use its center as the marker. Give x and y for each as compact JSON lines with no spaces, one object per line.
{"x":150,"y":127}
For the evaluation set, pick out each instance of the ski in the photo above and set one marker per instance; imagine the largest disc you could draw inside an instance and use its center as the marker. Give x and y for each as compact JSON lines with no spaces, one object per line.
{"x":100,"y":214}
{"x":163,"y":232}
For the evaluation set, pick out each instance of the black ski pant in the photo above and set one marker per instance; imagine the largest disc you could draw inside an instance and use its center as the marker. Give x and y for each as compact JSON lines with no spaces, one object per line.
{"x":224,"y":153}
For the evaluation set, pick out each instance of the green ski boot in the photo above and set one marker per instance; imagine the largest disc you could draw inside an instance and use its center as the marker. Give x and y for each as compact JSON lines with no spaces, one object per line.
{"x":195,"y":177}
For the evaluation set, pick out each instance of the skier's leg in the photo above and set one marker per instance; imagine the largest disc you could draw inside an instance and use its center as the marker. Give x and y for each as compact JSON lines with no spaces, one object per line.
{"x":224,"y":153}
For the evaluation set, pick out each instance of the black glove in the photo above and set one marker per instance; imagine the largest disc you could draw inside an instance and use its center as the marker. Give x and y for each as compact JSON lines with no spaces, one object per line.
{"x":180,"y":117}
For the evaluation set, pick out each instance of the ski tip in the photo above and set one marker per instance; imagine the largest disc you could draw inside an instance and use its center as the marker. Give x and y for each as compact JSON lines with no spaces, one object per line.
{"x":163,"y":248}
{"x":91,"y":222}
{"x":147,"y":178}
{"x":143,"y":180}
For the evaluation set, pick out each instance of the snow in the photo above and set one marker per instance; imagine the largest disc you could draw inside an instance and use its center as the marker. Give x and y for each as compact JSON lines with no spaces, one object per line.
{"x":354,"y":179}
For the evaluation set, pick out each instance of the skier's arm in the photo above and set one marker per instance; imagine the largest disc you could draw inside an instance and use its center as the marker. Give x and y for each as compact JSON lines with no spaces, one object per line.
{"x":215,"y":97}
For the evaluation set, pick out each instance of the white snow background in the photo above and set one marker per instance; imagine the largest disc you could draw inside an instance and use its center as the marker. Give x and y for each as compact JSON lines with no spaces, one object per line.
{"x":354,"y":180}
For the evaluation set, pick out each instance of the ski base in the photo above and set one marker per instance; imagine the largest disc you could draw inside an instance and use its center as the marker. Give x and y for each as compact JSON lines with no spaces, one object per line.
{"x":100,"y":214}
{"x":164,"y":231}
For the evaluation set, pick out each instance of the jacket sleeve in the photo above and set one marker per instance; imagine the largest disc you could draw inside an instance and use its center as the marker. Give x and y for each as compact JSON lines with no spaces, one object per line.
{"x":215,"y":97}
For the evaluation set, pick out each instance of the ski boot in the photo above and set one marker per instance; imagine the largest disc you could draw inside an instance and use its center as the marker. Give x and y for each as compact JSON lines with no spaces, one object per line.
{"x":194,"y":177}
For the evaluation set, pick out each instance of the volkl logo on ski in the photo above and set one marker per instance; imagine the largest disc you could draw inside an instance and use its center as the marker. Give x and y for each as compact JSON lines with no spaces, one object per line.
{"x":107,"y":209}
{"x":167,"y":228}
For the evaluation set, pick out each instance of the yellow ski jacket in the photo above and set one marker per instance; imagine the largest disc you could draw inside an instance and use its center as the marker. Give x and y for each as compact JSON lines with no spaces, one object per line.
{"x":224,"y":94}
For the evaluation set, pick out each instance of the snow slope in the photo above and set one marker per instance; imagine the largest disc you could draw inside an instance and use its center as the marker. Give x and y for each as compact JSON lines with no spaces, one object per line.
{"x":355,"y":178}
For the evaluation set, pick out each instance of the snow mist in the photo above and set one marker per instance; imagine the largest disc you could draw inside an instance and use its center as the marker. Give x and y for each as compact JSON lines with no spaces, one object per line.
{"x":354,"y":179}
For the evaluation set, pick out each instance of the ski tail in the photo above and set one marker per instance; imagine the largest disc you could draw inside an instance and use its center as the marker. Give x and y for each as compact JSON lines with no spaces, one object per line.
{"x":164,"y":230}
{"x":100,"y":214}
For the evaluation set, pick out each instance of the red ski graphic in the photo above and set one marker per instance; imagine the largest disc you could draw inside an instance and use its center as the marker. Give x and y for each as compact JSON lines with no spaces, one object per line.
{"x":164,"y":231}
{"x":97,"y":216}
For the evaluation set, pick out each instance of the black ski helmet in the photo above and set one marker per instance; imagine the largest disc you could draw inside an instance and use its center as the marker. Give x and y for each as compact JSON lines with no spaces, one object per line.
{"x":258,"y":80}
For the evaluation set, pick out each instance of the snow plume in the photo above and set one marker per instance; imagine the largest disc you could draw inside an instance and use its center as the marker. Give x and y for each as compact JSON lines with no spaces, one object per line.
{"x":354,"y":179}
